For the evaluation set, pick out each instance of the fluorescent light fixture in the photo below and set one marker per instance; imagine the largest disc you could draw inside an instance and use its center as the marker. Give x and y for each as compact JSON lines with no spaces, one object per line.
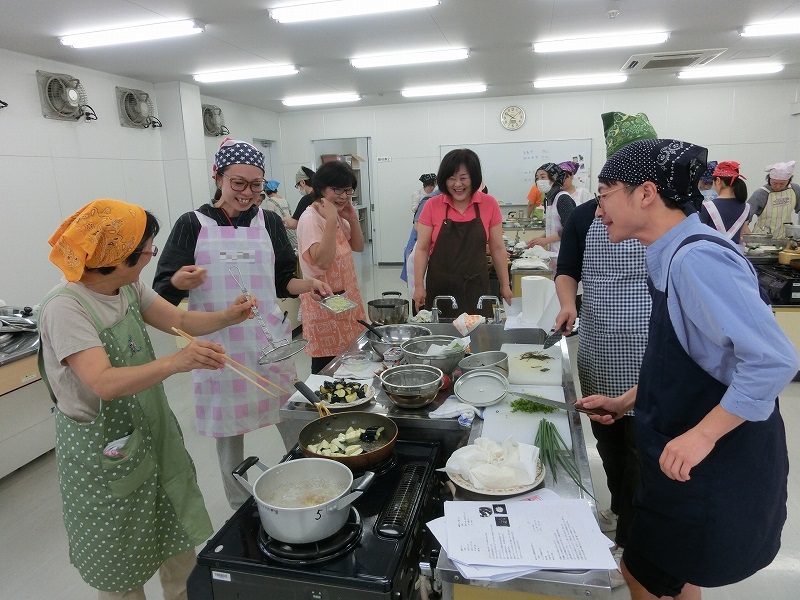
{"x":409,"y":58}
{"x":444,"y":90}
{"x":139,"y":33}
{"x":786,"y":27}
{"x":343,"y":8}
{"x":238,"y":74}
{"x":605,"y":41}
{"x":320,"y":99}
{"x":579,"y":80}
{"x":731,"y":70}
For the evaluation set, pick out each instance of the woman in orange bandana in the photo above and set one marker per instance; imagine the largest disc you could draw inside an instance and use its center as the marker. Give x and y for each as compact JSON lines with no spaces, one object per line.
{"x":129,"y":489}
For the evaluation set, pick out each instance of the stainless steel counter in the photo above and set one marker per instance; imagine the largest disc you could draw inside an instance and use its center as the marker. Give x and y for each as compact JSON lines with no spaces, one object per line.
{"x":19,"y":346}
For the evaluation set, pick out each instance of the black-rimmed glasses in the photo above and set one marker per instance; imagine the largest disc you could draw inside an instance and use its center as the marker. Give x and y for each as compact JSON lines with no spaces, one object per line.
{"x":339,"y":191}
{"x":600,"y":198}
{"x":239,"y":185}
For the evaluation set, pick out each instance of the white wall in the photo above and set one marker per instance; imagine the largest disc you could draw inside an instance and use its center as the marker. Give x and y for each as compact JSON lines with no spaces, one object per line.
{"x":748,"y":122}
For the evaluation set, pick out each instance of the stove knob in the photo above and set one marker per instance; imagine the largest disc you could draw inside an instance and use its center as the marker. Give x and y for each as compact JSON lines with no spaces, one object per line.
{"x":27,"y":311}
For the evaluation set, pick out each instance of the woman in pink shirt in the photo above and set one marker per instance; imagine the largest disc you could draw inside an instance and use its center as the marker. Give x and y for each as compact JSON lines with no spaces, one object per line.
{"x":454,"y":230}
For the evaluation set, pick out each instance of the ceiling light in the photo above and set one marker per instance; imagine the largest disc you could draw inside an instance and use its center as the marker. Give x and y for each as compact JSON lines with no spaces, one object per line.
{"x":238,"y":74}
{"x":409,"y":58}
{"x":139,"y":33}
{"x":343,"y":8}
{"x":320,"y":99}
{"x":731,"y":70}
{"x":606,"y":41}
{"x":444,"y":90}
{"x":579,"y":80}
{"x":772,"y":28}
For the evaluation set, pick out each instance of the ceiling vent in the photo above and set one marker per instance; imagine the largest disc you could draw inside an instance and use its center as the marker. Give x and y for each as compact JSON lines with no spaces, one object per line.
{"x":136,"y":109}
{"x":213,"y":121}
{"x":670,"y":60}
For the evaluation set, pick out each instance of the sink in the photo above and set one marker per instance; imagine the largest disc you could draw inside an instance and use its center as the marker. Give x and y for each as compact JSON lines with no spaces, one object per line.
{"x":490,"y":336}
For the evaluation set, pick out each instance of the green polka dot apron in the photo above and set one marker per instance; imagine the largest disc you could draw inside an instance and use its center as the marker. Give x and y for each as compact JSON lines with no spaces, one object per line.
{"x":129,"y":510}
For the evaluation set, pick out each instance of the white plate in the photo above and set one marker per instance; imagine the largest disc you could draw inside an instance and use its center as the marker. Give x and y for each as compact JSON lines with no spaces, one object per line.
{"x":341,"y":405}
{"x":509,"y":491}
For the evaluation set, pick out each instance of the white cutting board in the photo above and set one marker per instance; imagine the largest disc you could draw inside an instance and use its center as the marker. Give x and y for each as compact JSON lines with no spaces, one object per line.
{"x":532,"y":371}
{"x":499,"y":422}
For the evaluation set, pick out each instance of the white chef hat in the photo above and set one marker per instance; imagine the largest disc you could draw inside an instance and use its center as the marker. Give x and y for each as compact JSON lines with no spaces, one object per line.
{"x":781,"y":171}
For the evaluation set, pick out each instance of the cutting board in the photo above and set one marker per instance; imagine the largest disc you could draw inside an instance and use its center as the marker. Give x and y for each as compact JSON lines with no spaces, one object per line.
{"x":533,"y":372}
{"x":499,"y":422}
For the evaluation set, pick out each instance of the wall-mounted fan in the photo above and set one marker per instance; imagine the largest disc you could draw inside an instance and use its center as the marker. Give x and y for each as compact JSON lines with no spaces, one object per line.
{"x":213,"y":121}
{"x":136,"y":109}
{"x":63,"y":97}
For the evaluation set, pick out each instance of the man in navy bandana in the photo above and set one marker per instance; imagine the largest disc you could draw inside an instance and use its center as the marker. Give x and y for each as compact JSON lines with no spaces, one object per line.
{"x":714,"y":465}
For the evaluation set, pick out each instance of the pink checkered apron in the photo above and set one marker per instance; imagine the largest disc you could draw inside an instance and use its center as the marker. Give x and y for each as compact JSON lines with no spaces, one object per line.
{"x":225,"y":403}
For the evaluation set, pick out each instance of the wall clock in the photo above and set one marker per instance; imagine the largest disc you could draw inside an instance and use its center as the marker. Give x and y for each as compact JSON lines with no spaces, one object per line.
{"x":512,"y":117}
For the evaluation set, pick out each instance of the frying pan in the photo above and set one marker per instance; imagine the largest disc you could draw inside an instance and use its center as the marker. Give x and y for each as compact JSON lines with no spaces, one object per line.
{"x":795,"y":264}
{"x":327,"y":428}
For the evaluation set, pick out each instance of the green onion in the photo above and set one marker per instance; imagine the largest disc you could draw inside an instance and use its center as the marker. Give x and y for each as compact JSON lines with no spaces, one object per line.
{"x":525,"y":405}
{"x":553,"y":452}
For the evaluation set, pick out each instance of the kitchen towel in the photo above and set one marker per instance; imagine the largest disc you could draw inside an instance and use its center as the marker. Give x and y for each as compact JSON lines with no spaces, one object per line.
{"x":539,"y":301}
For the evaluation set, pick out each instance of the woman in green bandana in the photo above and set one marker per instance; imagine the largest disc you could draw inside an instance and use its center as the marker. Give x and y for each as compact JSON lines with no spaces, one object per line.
{"x":129,"y":488}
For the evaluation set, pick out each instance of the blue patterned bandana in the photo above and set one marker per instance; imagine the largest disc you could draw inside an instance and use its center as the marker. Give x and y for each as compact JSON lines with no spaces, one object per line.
{"x":235,"y":152}
{"x":674,"y":166}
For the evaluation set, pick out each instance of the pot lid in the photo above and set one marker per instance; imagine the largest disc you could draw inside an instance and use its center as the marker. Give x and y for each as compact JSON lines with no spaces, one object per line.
{"x":481,"y":387}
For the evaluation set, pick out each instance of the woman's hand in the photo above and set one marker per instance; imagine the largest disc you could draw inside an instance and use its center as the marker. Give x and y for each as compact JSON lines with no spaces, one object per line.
{"x":319,"y":289}
{"x":241,"y":309}
{"x":188,"y":277}
{"x":328,"y":210}
{"x":505,"y":292}
{"x":349,"y":212}
{"x":419,"y":298}
{"x":539,"y":241}
{"x":618,"y":406}
{"x":199,"y":354}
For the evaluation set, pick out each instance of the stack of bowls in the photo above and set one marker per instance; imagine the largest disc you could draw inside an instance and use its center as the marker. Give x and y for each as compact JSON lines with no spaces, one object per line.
{"x":494,"y":360}
{"x":412,"y":386}
{"x":394,"y":335}
{"x":416,"y":352}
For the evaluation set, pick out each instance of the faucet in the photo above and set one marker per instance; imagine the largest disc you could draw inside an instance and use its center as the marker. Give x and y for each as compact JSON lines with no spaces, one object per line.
{"x":495,"y":308}
{"x":435,"y":312}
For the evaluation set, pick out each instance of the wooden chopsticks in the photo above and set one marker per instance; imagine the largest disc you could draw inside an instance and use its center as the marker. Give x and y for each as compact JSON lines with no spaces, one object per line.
{"x":228,"y":364}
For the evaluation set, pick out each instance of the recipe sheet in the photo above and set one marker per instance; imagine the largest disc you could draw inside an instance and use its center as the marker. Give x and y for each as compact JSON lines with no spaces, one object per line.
{"x":547,"y":535}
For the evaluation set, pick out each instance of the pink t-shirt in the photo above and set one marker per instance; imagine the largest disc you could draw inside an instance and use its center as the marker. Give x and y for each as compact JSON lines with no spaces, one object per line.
{"x":433,"y":213}
{"x":309,"y":232}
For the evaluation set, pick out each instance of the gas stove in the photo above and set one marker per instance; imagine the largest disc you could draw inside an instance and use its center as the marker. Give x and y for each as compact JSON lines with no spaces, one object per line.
{"x":375,"y":556}
{"x":780,"y":282}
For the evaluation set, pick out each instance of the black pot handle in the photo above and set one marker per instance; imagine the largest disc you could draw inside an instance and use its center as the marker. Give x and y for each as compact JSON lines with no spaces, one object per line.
{"x":245,"y":465}
{"x":362,"y":483}
{"x":391,"y":294}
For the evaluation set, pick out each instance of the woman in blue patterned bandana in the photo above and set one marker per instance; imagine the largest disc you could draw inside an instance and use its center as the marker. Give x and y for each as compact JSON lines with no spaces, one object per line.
{"x":232,"y":232}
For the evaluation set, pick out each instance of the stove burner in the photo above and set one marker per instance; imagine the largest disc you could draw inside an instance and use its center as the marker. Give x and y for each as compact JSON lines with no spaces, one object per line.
{"x":314,"y":553}
{"x":381,"y":468}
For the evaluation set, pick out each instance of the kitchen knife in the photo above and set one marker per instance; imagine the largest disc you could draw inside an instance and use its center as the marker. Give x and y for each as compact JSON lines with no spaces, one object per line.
{"x":564,"y":405}
{"x":556,"y":335}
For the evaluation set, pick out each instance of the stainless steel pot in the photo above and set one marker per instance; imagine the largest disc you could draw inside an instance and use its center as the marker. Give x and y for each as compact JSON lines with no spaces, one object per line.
{"x":388,"y":311}
{"x":394,"y":335}
{"x":309,"y":523}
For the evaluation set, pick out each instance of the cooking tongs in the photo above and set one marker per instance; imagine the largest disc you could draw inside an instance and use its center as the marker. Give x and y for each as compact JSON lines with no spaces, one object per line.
{"x":272,"y":352}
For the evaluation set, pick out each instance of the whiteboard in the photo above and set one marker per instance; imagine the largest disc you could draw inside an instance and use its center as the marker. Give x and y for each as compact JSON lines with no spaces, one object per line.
{"x":509,"y":167}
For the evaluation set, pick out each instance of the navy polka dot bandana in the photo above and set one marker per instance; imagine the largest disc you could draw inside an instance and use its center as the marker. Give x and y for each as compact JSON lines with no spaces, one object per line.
{"x":235,"y":152}
{"x":674,"y":166}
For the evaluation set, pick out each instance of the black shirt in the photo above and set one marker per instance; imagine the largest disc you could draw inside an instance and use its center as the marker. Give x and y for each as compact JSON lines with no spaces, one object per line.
{"x":573,"y":240}
{"x":180,"y":249}
{"x":304,"y":203}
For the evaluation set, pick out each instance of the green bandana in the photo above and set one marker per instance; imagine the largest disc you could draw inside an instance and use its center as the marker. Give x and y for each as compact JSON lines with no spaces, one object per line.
{"x":621,"y":129}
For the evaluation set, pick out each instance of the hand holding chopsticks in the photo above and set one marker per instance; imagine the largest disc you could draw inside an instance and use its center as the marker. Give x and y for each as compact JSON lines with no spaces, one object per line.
{"x":229,"y":362}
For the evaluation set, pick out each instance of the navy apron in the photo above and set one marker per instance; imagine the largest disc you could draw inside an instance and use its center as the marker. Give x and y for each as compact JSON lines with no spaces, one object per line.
{"x":725,"y":523}
{"x":457,"y":266}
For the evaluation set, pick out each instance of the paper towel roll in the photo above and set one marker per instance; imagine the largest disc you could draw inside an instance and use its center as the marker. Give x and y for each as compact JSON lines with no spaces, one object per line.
{"x":536,"y":294}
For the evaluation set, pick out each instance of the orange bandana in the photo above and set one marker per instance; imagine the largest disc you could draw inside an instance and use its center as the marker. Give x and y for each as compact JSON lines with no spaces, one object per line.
{"x":101,"y":234}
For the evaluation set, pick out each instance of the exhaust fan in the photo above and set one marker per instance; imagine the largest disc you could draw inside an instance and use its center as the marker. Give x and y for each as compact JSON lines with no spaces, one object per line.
{"x":136,"y":109}
{"x":214,"y":121}
{"x":63,"y":97}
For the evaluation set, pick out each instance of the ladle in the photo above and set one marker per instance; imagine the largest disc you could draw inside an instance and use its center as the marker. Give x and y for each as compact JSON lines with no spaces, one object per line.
{"x":375,"y":331}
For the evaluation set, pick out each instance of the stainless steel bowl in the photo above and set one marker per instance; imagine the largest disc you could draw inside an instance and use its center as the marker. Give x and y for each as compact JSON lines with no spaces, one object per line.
{"x":412,"y":386}
{"x":495,"y":360}
{"x":396,"y":335}
{"x":416,"y":352}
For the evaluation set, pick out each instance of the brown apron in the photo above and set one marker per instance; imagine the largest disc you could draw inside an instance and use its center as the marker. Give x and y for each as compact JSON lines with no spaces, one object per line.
{"x":457,"y":267}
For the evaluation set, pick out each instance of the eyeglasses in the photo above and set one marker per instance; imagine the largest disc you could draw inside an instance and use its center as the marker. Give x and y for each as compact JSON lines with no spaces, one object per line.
{"x":600,"y":198}
{"x":153,"y":252}
{"x":239,"y":185}
{"x":340,"y":191}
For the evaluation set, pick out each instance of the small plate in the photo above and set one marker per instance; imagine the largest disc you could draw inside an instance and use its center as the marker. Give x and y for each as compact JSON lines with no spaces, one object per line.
{"x":342,"y":405}
{"x":337,"y":303}
{"x":509,"y":491}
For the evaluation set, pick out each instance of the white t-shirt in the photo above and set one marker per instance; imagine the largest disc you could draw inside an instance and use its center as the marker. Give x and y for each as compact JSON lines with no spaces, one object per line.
{"x":66,"y":328}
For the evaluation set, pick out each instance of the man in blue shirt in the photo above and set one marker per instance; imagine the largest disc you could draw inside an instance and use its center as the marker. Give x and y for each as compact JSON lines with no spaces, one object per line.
{"x":712,"y":445}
